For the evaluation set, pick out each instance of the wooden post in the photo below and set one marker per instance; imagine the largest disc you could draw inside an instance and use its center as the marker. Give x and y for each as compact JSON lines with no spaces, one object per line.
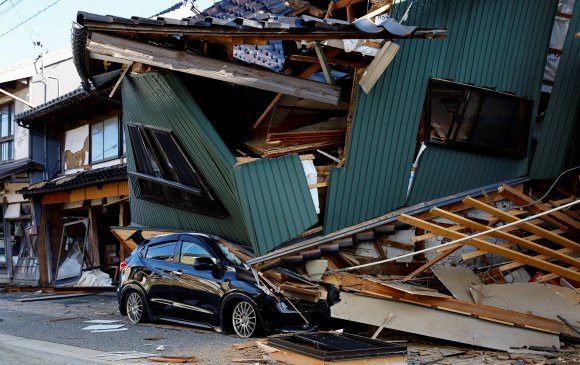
{"x":41,"y":249}
{"x":94,"y":237}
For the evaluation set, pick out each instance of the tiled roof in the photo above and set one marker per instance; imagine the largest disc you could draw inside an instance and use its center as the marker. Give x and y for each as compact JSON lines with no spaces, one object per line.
{"x":62,"y":103}
{"x":15,"y":167}
{"x":78,"y":180}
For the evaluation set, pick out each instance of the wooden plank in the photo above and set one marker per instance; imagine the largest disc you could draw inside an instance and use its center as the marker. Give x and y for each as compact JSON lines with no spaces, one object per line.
{"x":330,"y":61}
{"x":437,"y":323}
{"x":525,"y":225}
{"x":211,"y":68}
{"x":433,"y":261}
{"x":318,"y":185}
{"x":558,"y":219}
{"x":515,"y":264}
{"x":484,"y":245}
{"x":533,"y":237}
{"x":510,"y":238}
{"x":382,"y":60}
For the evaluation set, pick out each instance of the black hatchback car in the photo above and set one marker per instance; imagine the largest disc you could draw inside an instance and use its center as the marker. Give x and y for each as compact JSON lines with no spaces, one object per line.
{"x":195,"y":279}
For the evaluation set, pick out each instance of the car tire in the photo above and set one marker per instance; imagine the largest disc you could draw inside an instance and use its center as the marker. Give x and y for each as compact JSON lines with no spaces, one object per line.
{"x":245,"y":319}
{"x":136,"y":307}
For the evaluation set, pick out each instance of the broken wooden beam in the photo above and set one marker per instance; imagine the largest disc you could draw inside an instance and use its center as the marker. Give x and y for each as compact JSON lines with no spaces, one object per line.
{"x":492,"y":248}
{"x":185,"y":62}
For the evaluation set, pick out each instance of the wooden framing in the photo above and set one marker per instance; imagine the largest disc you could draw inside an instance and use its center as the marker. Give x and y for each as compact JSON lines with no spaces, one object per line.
{"x":211,"y":68}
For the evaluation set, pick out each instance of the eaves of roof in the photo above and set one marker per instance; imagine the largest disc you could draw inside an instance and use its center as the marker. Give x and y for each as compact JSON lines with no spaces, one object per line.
{"x":62,"y":103}
{"x":78,"y":180}
{"x":15,"y":167}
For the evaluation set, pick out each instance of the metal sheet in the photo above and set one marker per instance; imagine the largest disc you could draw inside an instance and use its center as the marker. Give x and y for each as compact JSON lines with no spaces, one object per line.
{"x":562,"y":113}
{"x":496,"y":43}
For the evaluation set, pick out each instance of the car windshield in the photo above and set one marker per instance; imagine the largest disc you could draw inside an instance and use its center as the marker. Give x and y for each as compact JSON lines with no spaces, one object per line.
{"x":230,"y":256}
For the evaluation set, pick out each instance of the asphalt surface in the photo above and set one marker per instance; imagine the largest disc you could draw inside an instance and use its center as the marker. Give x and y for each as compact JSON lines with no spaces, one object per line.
{"x":62,"y":321}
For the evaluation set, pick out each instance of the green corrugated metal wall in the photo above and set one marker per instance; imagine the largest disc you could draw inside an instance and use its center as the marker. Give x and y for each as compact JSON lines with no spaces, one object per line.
{"x":490,"y":43}
{"x":289,"y":209}
{"x":563,"y":108}
{"x":163,"y":101}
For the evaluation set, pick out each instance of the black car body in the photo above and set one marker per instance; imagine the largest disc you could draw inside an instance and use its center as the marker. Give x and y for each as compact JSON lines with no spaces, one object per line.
{"x":195,"y":279}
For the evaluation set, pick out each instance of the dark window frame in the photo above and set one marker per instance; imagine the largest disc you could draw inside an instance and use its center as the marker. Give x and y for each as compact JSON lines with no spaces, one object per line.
{"x":166,"y":175}
{"x":519,"y":124}
{"x":120,"y":140}
{"x":9,"y":138}
{"x":197,"y":242}
{"x":171,"y":258}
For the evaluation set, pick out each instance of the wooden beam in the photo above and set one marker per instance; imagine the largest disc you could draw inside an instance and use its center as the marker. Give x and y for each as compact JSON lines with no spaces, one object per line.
{"x":433,"y":261}
{"x":212,"y":68}
{"x":330,"y":61}
{"x":558,"y":219}
{"x":515,"y":264}
{"x":525,"y":225}
{"x":510,"y":238}
{"x":533,"y":237}
{"x":489,"y":247}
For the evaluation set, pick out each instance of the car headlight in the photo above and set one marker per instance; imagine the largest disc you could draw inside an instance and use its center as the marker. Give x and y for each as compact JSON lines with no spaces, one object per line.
{"x":283,"y":308}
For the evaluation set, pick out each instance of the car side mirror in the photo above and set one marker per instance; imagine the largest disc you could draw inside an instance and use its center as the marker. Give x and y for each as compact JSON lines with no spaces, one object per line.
{"x":204,"y":263}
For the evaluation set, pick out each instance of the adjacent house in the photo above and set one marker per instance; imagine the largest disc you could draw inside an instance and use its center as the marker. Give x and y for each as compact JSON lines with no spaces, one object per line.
{"x":88,"y":193}
{"x":22,"y":156}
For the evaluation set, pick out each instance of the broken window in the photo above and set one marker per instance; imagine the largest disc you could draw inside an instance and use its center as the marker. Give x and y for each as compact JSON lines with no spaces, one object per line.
{"x":105,"y":140}
{"x":477,"y":119}
{"x":165,"y":175}
{"x":7,"y":132}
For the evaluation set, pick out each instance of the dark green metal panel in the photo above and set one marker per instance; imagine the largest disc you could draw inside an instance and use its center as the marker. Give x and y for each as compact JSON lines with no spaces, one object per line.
{"x":277,"y":202}
{"x":563,"y":108}
{"x":266,"y":200}
{"x":497,"y":43}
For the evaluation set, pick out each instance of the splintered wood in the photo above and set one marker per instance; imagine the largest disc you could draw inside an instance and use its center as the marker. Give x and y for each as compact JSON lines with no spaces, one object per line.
{"x":548,"y":243}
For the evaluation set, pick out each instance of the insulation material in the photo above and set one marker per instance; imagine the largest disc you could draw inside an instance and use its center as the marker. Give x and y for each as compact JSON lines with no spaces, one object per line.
{"x":312,"y":178}
{"x":95,"y":278}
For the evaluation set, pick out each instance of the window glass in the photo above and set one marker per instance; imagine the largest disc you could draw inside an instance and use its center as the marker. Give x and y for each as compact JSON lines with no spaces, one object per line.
{"x":166,"y":175}
{"x":163,"y":251}
{"x":6,"y":151}
{"x":97,"y":142}
{"x":105,"y":140}
{"x":191,"y":250}
{"x":111,"y":140}
{"x":478,"y":119}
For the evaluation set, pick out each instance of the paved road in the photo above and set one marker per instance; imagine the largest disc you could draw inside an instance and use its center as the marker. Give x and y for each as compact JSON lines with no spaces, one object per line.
{"x":62,"y":322}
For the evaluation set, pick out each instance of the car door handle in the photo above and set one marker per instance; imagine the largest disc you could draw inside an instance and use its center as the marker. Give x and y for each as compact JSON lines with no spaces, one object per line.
{"x":177,"y":272}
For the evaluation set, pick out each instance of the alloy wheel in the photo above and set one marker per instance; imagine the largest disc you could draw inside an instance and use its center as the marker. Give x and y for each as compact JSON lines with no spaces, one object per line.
{"x":244,"y":319}
{"x":134,"y":307}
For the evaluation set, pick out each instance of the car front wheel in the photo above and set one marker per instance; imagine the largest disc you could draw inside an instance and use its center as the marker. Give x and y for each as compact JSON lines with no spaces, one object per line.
{"x":245,"y":319}
{"x":136,"y":307}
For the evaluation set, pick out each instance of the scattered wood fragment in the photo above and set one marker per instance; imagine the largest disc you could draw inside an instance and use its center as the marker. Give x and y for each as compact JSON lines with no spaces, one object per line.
{"x":62,"y":319}
{"x":173,"y":359}
{"x":244,"y":345}
{"x":250,"y":361}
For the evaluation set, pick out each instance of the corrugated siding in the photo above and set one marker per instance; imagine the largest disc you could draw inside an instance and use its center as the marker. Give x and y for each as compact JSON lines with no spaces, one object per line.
{"x":562,"y":112}
{"x":162,"y":101}
{"x":277,"y":202}
{"x":266,"y":199}
{"x":499,"y":44}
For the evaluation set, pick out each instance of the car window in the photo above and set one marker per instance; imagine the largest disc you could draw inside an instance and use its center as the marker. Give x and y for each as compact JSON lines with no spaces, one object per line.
{"x":191,"y":250}
{"x":163,"y":251}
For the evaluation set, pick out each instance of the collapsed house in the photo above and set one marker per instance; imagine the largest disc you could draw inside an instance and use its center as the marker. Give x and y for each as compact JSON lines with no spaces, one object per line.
{"x":247,"y":121}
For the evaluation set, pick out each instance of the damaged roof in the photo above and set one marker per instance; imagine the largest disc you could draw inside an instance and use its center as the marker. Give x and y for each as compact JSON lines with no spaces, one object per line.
{"x":73,"y":103}
{"x":78,"y":180}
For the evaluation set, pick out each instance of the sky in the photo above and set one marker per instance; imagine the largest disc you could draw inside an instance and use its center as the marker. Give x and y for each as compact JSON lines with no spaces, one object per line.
{"x":51,"y":22}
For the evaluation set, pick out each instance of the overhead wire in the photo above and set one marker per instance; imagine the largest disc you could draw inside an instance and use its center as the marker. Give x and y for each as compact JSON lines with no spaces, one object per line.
{"x":10,"y":8}
{"x":550,"y":189}
{"x":29,"y":18}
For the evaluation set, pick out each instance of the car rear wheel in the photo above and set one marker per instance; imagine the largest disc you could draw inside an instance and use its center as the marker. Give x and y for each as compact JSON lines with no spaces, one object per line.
{"x":136,"y":307}
{"x":245,"y":319}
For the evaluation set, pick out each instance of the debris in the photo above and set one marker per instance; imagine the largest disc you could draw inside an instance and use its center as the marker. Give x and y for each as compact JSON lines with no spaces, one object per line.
{"x":173,"y":359}
{"x":244,"y":345}
{"x":100,"y":327}
{"x":153,"y":338}
{"x":61,"y":319}
{"x":53,"y":297}
{"x":250,"y":361}
{"x":160,"y":348}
